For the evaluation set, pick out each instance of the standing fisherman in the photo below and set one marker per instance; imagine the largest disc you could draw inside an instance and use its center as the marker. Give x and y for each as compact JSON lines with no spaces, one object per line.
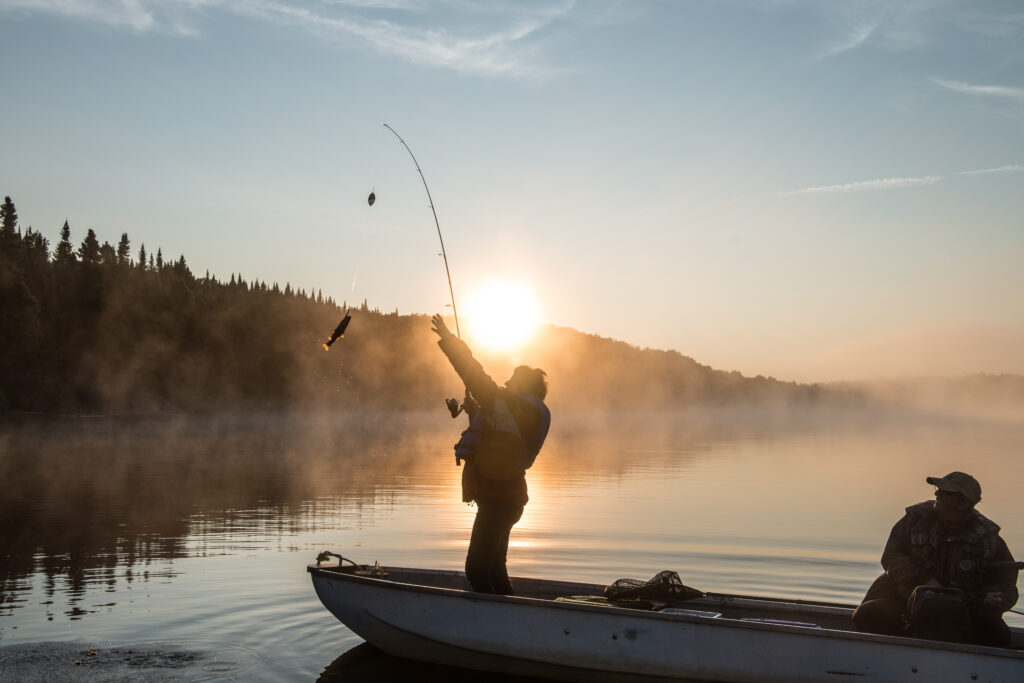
{"x":507,"y":429}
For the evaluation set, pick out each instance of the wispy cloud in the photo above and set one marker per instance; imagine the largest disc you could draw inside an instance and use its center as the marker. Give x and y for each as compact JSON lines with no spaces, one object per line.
{"x":895,"y":183}
{"x":865,"y":186}
{"x":889,"y":26}
{"x":501,"y":50}
{"x":909,"y":24}
{"x":489,"y":39}
{"x":856,"y":37}
{"x":132,"y":14}
{"x":1010,"y":168}
{"x":982,"y":90}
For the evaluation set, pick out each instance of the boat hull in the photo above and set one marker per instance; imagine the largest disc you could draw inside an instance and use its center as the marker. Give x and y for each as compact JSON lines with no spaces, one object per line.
{"x":568,"y":641}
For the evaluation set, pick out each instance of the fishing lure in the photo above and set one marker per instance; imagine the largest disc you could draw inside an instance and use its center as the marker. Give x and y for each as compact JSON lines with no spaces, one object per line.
{"x":339,"y":331}
{"x":372,"y":198}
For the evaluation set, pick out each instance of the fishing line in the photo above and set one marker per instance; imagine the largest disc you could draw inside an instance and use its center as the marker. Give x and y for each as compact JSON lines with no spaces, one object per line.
{"x":444,"y":254}
{"x":339,"y":331}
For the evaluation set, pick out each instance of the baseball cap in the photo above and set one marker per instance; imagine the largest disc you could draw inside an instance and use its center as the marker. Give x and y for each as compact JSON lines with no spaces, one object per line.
{"x":958,"y":482}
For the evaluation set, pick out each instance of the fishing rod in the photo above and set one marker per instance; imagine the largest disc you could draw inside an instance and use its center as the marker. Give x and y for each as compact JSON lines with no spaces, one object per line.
{"x":454,"y":407}
{"x":444,"y":254}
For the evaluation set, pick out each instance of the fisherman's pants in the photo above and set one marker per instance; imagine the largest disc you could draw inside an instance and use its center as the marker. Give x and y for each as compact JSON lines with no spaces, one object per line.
{"x":884,"y":611}
{"x":488,"y":546}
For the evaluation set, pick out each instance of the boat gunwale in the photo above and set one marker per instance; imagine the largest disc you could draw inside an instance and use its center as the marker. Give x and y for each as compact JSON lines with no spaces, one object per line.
{"x":719,"y":622}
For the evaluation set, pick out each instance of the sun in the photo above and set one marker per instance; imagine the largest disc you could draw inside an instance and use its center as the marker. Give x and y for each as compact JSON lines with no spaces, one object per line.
{"x":502,"y":315}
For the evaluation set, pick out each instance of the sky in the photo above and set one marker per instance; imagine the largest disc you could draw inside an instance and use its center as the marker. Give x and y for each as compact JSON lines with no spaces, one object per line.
{"x":811,"y":190}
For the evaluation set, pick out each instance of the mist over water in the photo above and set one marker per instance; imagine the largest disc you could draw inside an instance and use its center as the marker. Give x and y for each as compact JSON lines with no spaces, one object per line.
{"x":196,"y":532}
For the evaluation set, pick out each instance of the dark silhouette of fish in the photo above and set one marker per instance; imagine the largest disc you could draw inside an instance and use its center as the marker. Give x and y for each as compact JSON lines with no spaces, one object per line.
{"x":339,"y":331}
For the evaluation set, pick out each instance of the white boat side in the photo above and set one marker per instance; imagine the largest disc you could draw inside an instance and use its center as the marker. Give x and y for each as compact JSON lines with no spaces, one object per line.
{"x":430,"y":615}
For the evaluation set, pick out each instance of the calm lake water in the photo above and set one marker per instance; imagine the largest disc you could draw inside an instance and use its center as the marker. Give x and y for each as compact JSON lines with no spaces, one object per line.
{"x":188,"y":535}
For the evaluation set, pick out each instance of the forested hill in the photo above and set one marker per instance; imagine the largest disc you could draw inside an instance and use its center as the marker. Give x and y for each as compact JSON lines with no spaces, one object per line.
{"x":96,"y":328}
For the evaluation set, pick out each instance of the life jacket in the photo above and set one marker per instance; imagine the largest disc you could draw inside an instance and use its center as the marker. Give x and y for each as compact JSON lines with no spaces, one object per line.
{"x":497,"y":453}
{"x":954,"y":558}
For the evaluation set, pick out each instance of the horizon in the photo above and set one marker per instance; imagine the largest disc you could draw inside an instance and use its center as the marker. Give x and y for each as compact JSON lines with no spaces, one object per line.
{"x":814,"y":192}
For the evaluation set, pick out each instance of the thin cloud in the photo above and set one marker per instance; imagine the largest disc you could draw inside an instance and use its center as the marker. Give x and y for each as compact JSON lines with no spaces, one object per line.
{"x":132,"y":14}
{"x":865,"y":186}
{"x":500,"y":52}
{"x":488,"y":39}
{"x":982,"y":90}
{"x":907,"y":25}
{"x":858,"y":36}
{"x":1010,"y":168}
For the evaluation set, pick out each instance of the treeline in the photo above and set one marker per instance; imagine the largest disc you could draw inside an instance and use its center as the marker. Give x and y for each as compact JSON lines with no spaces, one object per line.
{"x":94,"y":328}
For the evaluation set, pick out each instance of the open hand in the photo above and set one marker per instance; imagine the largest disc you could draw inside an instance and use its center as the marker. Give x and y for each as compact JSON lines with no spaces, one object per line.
{"x":438,"y":326}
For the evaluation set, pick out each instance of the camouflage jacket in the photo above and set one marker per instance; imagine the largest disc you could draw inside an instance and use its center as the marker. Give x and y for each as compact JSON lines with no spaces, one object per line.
{"x":921,"y":548}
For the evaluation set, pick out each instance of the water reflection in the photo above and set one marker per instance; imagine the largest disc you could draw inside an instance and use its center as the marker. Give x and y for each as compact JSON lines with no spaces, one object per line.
{"x":89,"y":503}
{"x":366,"y":664}
{"x":200,"y":528}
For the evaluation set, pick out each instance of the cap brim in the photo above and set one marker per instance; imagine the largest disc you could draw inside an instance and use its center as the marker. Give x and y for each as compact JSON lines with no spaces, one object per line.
{"x":941,"y":483}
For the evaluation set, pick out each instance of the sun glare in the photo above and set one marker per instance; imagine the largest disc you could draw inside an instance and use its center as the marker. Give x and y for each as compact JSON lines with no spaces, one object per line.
{"x":502,"y":315}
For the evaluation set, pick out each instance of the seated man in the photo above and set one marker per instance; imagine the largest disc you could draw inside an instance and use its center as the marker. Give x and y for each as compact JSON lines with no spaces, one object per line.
{"x":949,"y":545}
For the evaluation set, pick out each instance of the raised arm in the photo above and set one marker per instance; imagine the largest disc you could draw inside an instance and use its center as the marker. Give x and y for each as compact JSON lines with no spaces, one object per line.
{"x":479,"y":383}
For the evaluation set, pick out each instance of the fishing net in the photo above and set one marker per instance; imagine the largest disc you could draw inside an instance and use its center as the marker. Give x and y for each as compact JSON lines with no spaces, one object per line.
{"x":664,"y":585}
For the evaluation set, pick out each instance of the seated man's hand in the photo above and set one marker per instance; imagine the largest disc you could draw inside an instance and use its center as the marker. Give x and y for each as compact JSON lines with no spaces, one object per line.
{"x":994,"y":600}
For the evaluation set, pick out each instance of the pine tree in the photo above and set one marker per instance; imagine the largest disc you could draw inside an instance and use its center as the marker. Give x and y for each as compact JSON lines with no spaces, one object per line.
{"x":142,"y":257}
{"x":180,"y":268}
{"x":37,"y":248}
{"x":65,"y":253}
{"x":123,"y":250}
{"x":9,"y":218}
{"x":159,"y":259}
{"x":10,"y":247}
{"x":89,"y":252}
{"x":108,"y":257}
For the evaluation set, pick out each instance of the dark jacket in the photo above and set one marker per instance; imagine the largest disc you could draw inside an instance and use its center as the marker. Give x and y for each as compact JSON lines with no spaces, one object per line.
{"x":497,"y":471}
{"x":921,"y":547}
